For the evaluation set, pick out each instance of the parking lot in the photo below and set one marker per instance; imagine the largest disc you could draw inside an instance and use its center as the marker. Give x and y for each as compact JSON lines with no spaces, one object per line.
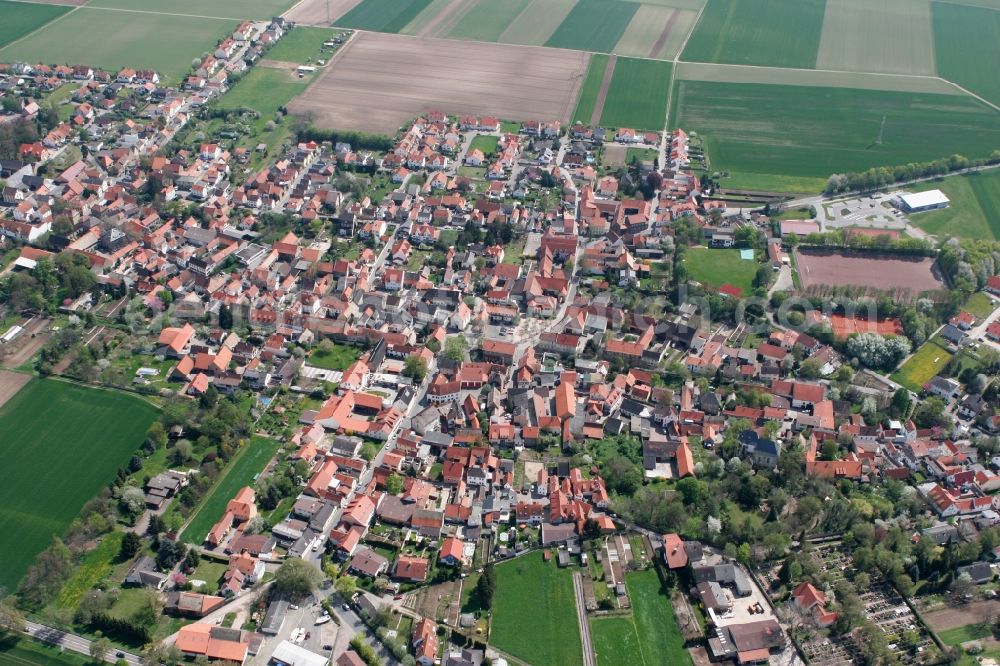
{"x":875,"y":211}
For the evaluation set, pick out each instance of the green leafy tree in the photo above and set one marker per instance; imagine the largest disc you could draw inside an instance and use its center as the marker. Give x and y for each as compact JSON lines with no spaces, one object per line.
{"x":415,"y":367}
{"x":394,"y":484}
{"x":455,"y":348}
{"x":296,"y":578}
{"x":131,"y":543}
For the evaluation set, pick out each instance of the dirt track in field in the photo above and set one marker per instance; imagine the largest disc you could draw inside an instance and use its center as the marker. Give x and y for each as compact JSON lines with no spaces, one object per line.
{"x":380,"y":81}
{"x":959,"y":616}
{"x":11,"y":383}
{"x":313,"y":12}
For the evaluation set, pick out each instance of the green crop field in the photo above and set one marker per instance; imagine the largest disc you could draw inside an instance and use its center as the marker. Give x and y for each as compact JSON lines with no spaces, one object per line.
{"x":533,"y":612}
{"x":590,"y":88}
{"x":922,"y":366}
{"x":968,"y":632}
{"x":593,"y":25}
{"x":797,"y":131}
{"x":973,"y":210}
{"x":967,"y":47}
{"x":17,"y":19}
{"x":638,"y":94}
{"x":382,"y":15}
{"x":114,"y":39}
{"x":487,"y":19}
{"x":643,"y":36}
{"x":232,"y":9}
{"x":301,"y":45}
{"x":48,"y":428}
{"x":776,"y":33}
{"x":242,"y":471}
{"x":715,"y":266}
{"x":892,"y":36}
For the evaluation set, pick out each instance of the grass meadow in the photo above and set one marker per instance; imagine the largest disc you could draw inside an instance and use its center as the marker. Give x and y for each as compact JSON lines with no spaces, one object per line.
{"x":922,"y":366}
{"x":48,"y":428}
{"x":775,"y":33}
{"x":382,"y":15}
{"x":242,"y":471}
{"x":973,"y":210}
{"x":17,"y":19}
{"x":591,"y":86}
{"x":16,"y":651}
{"x":114,"y":39}
{"x":714,"y":267}
{"x":796,"y":132}
{"x":534,"y":616}
{"x":593,"y":25}
{"x":338,"y":359}
{"x":638,"y":94}
{"x":967,"y":47}
{"x":301,"y":45}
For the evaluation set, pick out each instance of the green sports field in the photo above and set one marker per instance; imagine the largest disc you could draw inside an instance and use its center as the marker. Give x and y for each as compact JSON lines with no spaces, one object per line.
{"x":114,"y":39}
{"x":967,"y":47}
{"x":382,"y":15}
{"x":590,"y":88}
{"x":973,"y":211}
{"x":61,"y":444}
{"x":812,"y":132}
{"x":779,"y":33}
{"x":534,"y":615}
{"x":242,"y":471}
{"x":638,"y":94}
{"x":715,"y":267}
{"x":236,"y":9}
{"x":593,"y":25}
{"x":17,"y":19}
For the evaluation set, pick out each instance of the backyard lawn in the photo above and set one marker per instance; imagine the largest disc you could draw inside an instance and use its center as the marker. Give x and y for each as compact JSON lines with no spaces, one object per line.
{"x":242,"y":471}
{"x":339,"y":358}
{"x":487,"y":144}
{"x":533,"y":612}
{"x":980,"y":305}
{"x":48,"y":428}
{"x":714,"y":267}
{"x":920,"y":368}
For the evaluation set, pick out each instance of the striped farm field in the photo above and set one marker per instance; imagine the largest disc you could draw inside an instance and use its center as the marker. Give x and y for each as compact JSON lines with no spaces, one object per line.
{"x":427,"y":16}
{"x":693,"y":5}
{"x":487,"y":20}
{"x":48,"y":428}
{"x":655,"y":32}
{"x":537,"y":22}
{"x":593,"y":25}
{"x":967,"y":47}
{"x":591,"y":87}
{"x":814,"y":132}
{"x":776,"y":33}
{"x":638,"y":95}
{"x":891,"y":36}
{"x":382,"y":15}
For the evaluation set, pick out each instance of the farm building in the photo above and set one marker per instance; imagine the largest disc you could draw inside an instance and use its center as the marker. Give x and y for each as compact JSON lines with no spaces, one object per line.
{"x":929,"y":200}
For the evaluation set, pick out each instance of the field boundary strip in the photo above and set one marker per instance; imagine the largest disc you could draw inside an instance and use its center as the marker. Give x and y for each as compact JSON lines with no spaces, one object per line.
{"x":602,"y":92}
{"x":147,"y":11}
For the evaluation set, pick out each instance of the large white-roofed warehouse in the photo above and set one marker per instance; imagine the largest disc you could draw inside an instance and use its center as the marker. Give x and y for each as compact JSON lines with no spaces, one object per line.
{"x":929,"y":200}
